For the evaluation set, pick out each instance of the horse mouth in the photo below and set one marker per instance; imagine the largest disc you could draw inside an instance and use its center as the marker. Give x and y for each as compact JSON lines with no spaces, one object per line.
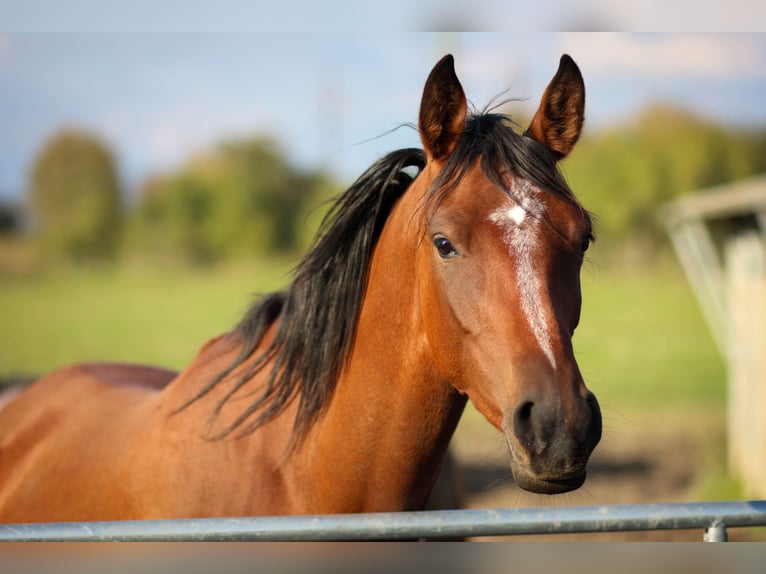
{"x":555,"y":479}
{"x":539,"y":485}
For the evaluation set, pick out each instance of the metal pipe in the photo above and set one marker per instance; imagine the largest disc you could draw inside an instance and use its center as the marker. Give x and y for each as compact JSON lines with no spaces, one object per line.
{"x":405,"y":525}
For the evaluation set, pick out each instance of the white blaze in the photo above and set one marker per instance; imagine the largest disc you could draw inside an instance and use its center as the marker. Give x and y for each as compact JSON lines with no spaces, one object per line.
{"x":519,"y":219}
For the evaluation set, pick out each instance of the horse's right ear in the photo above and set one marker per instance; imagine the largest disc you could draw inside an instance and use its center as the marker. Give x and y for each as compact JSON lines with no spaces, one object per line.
{"x":442,"y":110}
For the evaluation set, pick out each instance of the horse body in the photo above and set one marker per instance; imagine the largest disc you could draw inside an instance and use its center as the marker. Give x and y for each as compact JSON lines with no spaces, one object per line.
{"x":42,"y":472}
{"x":96,"y":442}
{"x":135,"y":461}
{"x":468,"y":288}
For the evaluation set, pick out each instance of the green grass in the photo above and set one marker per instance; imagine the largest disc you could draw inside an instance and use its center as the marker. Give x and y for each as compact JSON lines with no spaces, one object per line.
{"x":641,"y":343}
{"x":154,"y":316}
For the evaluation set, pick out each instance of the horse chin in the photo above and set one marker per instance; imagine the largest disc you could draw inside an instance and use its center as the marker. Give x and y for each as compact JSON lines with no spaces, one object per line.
{"x":538,"y":485}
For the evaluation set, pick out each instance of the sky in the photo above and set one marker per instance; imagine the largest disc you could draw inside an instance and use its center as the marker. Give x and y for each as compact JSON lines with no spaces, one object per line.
{"x":334,"y":100}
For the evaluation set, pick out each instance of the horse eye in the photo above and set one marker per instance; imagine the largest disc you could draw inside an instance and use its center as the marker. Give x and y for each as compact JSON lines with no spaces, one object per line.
{"x":586,"y":243}
{"x":444,"y":247}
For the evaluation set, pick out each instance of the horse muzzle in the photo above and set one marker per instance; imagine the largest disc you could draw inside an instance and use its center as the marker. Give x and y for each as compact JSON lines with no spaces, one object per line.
{"x":550,"y":445}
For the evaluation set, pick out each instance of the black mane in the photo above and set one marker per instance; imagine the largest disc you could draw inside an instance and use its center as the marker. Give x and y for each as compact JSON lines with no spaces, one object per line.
{"x":317,"y":315}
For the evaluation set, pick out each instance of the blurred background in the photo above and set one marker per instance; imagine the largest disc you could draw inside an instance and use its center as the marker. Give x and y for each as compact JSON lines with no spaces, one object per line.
{"x":150,"y":184}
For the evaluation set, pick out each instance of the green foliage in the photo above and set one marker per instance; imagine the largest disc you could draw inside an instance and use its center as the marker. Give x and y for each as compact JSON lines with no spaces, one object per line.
{"x":9,"y":219}
{"x":74,"y":198}
{"x":624,"y":174}
{"x":243,"y":198}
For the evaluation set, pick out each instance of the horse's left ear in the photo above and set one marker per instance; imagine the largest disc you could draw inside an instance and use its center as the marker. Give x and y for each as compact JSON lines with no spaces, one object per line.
{"x":558,"y":121}
{"x":442,"y":110}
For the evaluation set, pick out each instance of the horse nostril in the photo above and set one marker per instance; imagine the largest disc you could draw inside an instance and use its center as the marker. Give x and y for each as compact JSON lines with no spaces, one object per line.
{"x":524,"y":411}
{"x":594,"y":428}
{"x":523,"y":426}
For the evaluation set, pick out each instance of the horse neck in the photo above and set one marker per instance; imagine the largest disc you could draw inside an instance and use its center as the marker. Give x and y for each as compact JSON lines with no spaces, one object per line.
{"x":387,"y":427}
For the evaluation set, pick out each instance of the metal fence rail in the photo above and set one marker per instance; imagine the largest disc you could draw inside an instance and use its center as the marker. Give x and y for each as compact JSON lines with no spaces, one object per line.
{"x":713,"y":517}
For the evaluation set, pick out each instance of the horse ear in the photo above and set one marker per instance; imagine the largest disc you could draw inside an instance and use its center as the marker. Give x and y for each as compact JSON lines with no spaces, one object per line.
{"x":558,"y":121}
{"x":442,"y":110}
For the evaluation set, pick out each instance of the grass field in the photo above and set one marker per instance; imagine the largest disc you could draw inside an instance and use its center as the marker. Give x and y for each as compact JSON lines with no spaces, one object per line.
{"x":155,"y":316}
{"x":641,"y":342}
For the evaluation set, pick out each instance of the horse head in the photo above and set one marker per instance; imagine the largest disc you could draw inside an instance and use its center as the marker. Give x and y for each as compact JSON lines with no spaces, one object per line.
{"x":502,"y":241}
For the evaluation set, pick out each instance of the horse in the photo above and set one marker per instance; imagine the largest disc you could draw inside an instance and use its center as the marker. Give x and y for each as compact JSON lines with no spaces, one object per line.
{"x":443,"y":274}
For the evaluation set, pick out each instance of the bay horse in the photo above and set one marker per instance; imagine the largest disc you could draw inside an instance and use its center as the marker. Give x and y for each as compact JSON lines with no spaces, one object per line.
{"x":440,"y":275}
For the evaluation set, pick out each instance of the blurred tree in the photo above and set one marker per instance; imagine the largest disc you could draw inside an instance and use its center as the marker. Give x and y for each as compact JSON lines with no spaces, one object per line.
{"x":74,"y":198}
{"x":243,"y":198}
{"x":625,"y":173}
{"x":9,"y":219}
